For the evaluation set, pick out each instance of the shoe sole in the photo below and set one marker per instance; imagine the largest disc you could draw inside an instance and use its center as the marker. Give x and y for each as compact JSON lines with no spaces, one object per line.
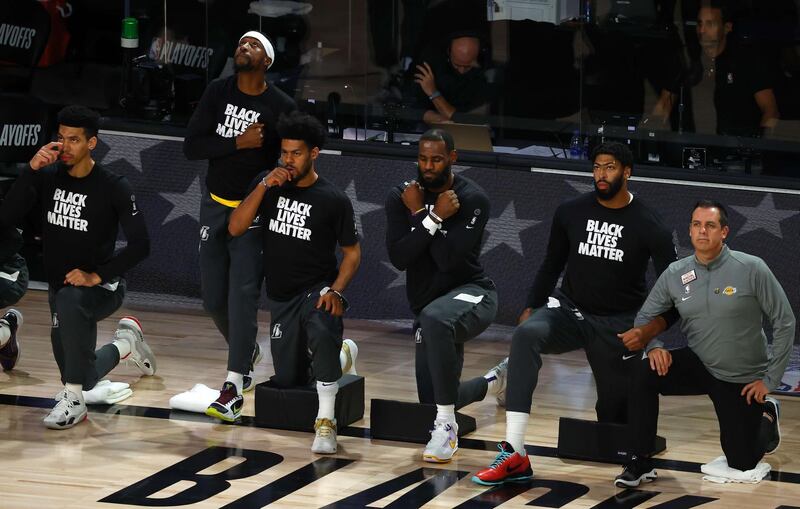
{"x":430,"y":458}
{"x":517,"y":479}
{"x":648,"y":477}
{"x":778,"y":428}
{"x":143,"y":349}
{"x":322,"y":452}
{"x":19,"y":355}
{"x":213,"y":412}
{"x":349,"y":346}
{"x":56,"y":426}
{"x":14,"y":338}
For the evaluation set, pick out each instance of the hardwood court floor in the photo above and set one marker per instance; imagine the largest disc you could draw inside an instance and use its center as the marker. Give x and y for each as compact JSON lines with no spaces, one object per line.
{"x":138,"y":453}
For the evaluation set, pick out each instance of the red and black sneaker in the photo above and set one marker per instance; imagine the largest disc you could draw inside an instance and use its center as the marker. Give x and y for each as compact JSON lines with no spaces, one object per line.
{"x":508,"y":466}
{"x":9,"y":353}
{"x":228,"y":406}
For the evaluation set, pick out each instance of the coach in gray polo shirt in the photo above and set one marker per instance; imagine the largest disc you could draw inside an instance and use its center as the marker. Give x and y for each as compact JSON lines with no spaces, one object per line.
{"x":721,"y":296}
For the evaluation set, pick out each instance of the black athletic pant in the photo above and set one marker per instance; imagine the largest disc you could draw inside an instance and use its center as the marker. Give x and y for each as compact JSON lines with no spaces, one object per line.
{"x":75,"y":312}
{"x":305,"y":341}
{"x":230,"y":274}
{"x":13,"y":280}
{"x":556,"y":330}
{"x":741,"y":436}
{"x":440,"y":331}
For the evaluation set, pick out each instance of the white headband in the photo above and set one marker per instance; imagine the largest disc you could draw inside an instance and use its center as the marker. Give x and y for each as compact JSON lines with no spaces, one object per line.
{"x":268,"y":49}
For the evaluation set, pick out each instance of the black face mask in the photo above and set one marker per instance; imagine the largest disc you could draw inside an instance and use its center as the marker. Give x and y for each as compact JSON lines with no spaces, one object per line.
{"x":437,"y":182}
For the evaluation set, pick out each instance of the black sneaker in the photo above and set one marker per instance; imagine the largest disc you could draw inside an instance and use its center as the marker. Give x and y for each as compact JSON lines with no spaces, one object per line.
{"x":636,"y":472}
{"x":228,"y":406}
{"x":9,"y":354}
{"x":247,"y":381}
{"x":773,"y":408}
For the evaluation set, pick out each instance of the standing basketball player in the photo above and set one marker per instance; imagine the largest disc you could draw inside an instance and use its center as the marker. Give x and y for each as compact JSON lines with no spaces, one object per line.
{"x":433,"y":232}
{"x":83,"y":205}
{"x":13,"y":283}
{"x":722,"y":297}
{"x":304,"y":217}
{"x":605,"y":239}
{"x":234,"y":128}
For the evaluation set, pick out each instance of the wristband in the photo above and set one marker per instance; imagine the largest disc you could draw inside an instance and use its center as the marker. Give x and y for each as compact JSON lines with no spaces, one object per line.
{"x":345,"y":304}
{"x":434,"y":95}
{"x":432,"y":226}
{"x":264,"y":182}
{"x":435,"y":217}
{"x":342,"y":298}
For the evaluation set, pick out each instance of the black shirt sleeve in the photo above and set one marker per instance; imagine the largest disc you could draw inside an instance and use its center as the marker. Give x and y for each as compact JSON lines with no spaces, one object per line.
{"x":10,"y":243}
{"x":201,"y":140}
{"x":553,"y":264}
{"x":20,"y":198}
{"x":663,"y":253}
{"x":132,"y":221}
{"x":346,"y":233}
{"x":462,"y":234}
{"x":404,"y":244}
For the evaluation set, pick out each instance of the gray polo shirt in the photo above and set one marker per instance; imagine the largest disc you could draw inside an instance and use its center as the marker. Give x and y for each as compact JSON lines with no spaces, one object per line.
{"x":721,"y":306}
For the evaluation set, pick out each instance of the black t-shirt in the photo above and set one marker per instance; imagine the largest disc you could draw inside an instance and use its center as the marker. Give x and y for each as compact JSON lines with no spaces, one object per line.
{"x":464,"y":92}
{"x":435,"y":264}
{"x":225,"y":112}
{"x":80,"y":218}
{"x":606,"y":253}
{"x":302,"y":226}
{"x":739,"y":74}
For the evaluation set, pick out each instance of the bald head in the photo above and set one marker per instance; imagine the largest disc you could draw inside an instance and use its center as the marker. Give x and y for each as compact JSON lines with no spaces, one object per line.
{"x":464,"y":53}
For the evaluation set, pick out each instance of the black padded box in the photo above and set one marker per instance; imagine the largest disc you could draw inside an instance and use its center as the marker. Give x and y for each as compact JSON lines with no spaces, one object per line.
{"x":296,"y":408}
{"x":605,"y":442}
{"x":409,"y":422}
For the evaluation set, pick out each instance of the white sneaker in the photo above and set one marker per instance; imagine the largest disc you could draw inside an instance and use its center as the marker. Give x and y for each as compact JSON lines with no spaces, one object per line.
{"x":350,"y":350}
{"x":324,"y":436}
{"x":443,"y":443}
{"x":68,"y":412}
{"x":500,"y":373}
{"x":141,"y":355}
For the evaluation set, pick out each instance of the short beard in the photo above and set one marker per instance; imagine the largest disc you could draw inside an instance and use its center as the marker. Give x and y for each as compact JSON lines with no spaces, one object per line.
{"x":438,"y":181}
{"x":299,"y":177}
{"x":246,"y":67}
{"x":614,"y":188}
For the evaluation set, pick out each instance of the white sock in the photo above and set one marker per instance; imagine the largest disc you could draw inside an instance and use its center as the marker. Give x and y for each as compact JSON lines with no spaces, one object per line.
{"x":123,"y":346}
{"x":445,"y":413}
{"x":5,"y":334}
{"x":76,"y":389}
{"x":236,"y":379}
{"x":516,"y":424}
{"x":326,"y":391}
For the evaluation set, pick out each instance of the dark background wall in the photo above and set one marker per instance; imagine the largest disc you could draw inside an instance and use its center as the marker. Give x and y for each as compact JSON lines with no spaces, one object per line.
{"x":764,"y":222}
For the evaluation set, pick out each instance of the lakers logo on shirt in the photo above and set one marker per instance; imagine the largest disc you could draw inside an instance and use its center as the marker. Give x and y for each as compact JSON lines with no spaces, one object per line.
{"x":729,"y":290}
